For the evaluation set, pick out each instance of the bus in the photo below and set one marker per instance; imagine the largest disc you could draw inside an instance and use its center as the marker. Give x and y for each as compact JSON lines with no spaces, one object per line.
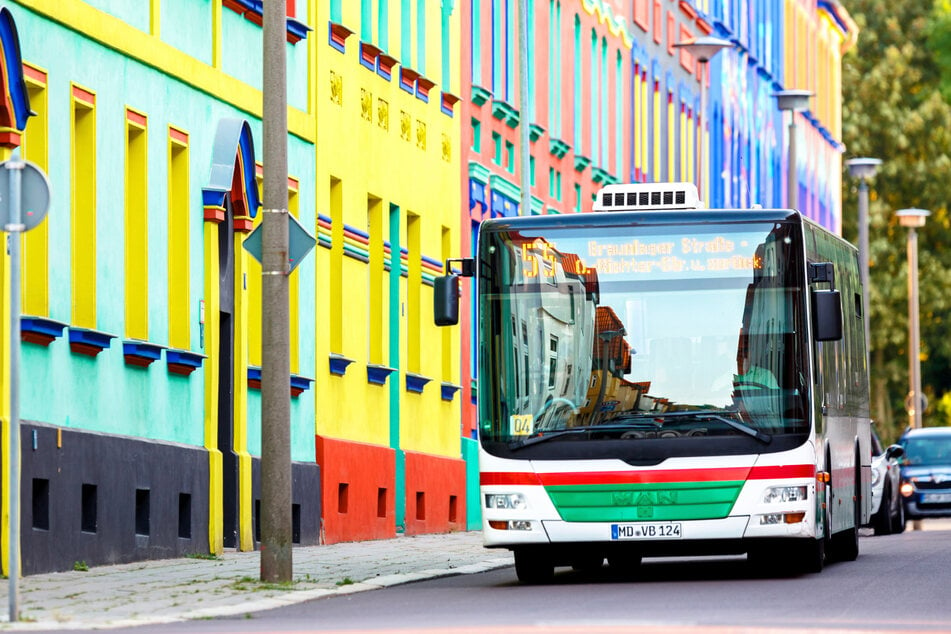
{"x":661,"y":379}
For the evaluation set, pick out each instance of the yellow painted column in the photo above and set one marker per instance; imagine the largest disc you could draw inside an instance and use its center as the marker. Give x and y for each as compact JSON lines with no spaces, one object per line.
{"x":212,"y":344}
{"x":245,"y":494}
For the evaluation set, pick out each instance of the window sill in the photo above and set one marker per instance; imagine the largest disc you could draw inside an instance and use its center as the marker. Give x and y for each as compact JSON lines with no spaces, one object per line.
{"x":377,"y":374}
{"x":40,"y":330}
{"x":141,"y":353}
{"x":87,"y":341}
{"x":416,"y":382}
{"x":183,"y":362}
{"x":339,"y":363}
{"x":448,"y":391}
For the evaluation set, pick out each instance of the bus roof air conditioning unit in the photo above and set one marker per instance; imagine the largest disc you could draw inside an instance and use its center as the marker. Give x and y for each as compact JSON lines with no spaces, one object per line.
{"x":647,"y":197}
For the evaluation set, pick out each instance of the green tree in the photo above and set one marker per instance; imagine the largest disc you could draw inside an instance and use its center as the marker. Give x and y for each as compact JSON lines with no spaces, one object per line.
{"x":893,"y":109}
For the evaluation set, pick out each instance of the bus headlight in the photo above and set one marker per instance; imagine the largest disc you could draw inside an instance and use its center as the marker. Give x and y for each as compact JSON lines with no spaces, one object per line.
{"x":511,"y":501}
{"x":784,"y":494}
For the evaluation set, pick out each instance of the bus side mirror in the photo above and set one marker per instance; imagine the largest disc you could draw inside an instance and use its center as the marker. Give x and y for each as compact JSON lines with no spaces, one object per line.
{"x":446,"y":300}
{"x":826,"y":315}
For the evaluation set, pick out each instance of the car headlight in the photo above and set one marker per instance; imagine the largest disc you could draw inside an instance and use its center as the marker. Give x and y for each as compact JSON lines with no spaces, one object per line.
{"x":512,"y":501}
{"x":785,"y":494}
{"x":906,"y":489}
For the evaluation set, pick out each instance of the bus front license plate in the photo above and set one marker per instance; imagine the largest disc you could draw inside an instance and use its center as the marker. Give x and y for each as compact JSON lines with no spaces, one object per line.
{"x":650,"y":530}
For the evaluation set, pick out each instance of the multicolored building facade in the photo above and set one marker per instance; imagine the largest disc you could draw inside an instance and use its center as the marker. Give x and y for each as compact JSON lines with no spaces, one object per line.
{"x":141,"y":351}
{"x":141,"y":347}
{"x":612,"y":99}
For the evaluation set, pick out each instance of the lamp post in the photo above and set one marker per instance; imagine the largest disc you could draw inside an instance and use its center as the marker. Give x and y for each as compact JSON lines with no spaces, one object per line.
{"x":913,"y":219}
{"x":792,"y":101}
{"x":863,"y":169}
{"x":703,"y":49}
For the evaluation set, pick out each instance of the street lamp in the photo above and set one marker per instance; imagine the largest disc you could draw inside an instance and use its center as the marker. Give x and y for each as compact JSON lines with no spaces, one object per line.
{"x":703,"y":49}
{"x":863,"y":169}
{"x":913,"y":219}
{"x":792,"y":101}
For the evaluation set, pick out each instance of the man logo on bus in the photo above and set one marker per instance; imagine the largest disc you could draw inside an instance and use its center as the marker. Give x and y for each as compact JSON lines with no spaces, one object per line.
{"x":623,"y":498}
{"x":645,"y":506}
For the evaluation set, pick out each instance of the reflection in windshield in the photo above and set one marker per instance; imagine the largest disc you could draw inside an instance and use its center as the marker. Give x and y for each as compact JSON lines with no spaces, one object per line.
{"x":641,"y":332}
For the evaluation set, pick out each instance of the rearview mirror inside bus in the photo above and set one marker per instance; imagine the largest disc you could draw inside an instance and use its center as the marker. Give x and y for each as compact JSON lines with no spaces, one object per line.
{"x":826,"y":315}
{"x":446,"y":300}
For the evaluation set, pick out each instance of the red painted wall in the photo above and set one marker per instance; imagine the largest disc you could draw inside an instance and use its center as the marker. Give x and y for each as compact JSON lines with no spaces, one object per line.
{"x":435,"y":494}
{"x":357,"y":485}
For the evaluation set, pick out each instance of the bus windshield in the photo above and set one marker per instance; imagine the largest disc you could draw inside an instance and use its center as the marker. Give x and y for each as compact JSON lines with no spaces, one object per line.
{"x":641,"y":339}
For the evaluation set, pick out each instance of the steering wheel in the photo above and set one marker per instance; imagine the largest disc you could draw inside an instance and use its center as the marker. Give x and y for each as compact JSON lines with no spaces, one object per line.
{"x":743,"y":383}
{"x":554,"y":401}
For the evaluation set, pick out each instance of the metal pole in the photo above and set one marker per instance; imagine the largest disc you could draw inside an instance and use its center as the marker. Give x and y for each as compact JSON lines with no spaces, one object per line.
{"x":525,"y":119}
{"x":276,"y":544}
{"x":792,"y":178}
{"x":863,"y":255}
{"x":13,"y":230}
{"x":914,"y":358}
{"x":701,"y":121}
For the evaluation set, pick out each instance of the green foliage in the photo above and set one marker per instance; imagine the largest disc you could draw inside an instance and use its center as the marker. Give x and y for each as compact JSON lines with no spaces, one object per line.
{"x":894,"y":109}
{"x":80,"y":566}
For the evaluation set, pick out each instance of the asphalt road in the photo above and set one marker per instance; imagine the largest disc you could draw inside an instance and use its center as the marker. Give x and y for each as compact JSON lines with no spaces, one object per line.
{"x":899,"y":583}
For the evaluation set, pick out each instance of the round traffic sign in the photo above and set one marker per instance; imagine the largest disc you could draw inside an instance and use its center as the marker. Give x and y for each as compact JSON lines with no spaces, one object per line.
{"x":34,"y":194}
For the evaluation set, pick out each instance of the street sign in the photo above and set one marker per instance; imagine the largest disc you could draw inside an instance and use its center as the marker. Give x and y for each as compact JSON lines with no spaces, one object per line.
{"x":300,"y":242}
{"x":34,"y":195}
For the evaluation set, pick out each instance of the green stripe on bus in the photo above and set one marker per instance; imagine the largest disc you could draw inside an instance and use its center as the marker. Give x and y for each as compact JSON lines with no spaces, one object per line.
{"x":645,"y":502}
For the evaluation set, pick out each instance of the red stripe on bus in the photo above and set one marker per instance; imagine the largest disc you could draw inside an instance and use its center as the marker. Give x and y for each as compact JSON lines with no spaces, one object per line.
{"x":489,"y":478}
{"x":642,"y":477}
{"x":783,"y":471}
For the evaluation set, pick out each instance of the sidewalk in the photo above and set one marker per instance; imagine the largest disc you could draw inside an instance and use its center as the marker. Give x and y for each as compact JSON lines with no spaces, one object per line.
{"x":170,"y":590}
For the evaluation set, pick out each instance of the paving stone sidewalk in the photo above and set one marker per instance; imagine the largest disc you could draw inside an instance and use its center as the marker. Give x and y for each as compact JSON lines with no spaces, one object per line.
{"x":192,"y":588}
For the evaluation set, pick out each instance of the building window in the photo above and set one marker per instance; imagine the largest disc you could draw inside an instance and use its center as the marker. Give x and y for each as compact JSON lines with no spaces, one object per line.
{"x":83,"y":225}
{"x":136,"y":227}
{"x":476,"y":136}
{"x":179,"y":304}
{"x":497,"y":148}
{"x":35,"y":148}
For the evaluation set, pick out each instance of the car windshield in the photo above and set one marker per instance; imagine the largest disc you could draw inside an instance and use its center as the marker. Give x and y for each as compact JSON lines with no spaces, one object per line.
{"x":928,"y":451}
{"x":641,"y":332}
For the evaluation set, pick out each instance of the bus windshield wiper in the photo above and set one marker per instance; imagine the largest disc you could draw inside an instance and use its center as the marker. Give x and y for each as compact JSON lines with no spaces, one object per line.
{"x":561,"y":433}
{"x":737,"y":425}
{"x":716,"y":415}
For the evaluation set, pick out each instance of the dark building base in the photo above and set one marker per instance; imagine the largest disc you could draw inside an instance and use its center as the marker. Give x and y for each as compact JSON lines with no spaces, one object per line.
{"x":95,"y":499}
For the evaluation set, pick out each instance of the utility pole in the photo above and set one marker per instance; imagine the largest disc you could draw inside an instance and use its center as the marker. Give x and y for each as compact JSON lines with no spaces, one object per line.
{"x":276,"y":546}
{"x":525,"y":111}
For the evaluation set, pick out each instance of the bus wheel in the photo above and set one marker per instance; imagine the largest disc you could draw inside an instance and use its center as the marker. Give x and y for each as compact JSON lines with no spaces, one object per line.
{"x":533,"y":566}
{"x":812,"y":555}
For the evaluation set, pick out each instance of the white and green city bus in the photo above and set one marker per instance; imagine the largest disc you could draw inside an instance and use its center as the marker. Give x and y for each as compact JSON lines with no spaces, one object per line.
{"x":658,"y":379}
